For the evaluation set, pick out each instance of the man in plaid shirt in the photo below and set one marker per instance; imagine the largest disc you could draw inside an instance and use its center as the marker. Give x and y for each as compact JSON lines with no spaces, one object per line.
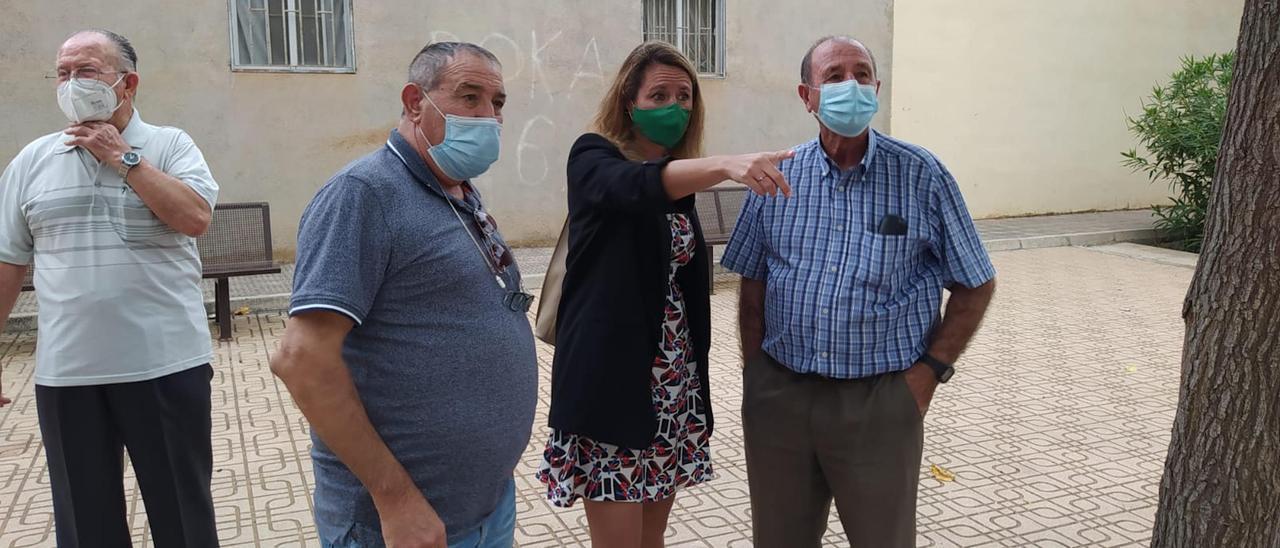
{"x":843,"y":336}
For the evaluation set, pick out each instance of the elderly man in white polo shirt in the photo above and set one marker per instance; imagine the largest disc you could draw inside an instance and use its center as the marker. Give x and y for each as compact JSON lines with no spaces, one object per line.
{"x":109,"y":209}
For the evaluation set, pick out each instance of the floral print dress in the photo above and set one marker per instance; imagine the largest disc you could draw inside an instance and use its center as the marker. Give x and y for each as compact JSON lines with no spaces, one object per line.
{"x":575,"y":466}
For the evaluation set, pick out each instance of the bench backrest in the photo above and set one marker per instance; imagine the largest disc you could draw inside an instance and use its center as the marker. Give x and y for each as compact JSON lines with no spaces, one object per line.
{"x":238,"y":239}
{"x":718,"y":209}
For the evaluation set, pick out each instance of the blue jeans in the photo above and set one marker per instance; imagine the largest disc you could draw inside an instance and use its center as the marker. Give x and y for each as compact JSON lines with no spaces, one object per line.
{"x":496,"y":531}
{"x":499,"y":529}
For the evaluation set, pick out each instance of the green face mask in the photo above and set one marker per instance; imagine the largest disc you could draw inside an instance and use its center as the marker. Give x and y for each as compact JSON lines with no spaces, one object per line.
{"x":663,"y":125}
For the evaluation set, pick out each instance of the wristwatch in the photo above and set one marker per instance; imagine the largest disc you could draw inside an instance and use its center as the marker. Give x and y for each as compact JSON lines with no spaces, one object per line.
{"x":941,"y":369}
{"x":128,"y":161}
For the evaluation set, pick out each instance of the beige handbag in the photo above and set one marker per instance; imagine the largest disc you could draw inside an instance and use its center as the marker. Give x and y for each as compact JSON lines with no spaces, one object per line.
{"x":549,"y":301}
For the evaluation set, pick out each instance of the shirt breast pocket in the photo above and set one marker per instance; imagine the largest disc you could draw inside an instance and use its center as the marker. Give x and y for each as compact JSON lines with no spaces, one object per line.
{"x":886,"y":263}
{"x":135,"y":223}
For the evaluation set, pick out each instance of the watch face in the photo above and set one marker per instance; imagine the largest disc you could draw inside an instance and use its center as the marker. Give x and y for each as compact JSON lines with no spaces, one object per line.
{"x":131,"y":158}
{"x":946,"y":375}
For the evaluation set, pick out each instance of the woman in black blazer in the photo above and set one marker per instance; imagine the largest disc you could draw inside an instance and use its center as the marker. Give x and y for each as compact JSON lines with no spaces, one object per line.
{"x":630,"y":401}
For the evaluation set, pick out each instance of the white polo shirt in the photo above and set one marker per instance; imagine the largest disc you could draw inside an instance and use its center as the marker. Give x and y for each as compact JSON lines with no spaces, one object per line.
{"x":119,"y":291}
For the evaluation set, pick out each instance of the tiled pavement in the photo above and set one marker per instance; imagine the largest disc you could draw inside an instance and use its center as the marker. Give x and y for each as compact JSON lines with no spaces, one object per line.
{"x":1055,"y":427}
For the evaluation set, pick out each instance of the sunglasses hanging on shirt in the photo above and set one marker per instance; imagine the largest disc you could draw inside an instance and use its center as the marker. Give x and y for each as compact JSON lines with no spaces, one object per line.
{"x":499,"y":256}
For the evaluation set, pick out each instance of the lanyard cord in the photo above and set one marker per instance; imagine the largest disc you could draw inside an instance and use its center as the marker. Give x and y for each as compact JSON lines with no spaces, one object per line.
{"x":488,"y":260}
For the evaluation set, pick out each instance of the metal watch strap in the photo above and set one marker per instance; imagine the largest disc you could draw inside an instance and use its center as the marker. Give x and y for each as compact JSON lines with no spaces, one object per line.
{"x":126,"y":167}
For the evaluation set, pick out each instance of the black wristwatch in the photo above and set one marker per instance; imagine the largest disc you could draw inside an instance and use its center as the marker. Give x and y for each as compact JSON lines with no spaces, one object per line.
{"x":941,"y":369}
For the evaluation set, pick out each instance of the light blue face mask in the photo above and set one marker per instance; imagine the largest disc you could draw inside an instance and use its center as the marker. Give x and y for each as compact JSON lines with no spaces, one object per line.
{"x":470,"y":145}
{"x":847,"y":107}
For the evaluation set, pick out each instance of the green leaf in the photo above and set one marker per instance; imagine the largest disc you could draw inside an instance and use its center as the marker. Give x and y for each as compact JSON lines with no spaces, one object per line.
{"x":1178,"y":134}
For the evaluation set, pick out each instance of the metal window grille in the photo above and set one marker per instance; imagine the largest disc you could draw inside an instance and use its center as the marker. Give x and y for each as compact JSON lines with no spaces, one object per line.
{"x":696,"y":27}
{"x":292,"y":35}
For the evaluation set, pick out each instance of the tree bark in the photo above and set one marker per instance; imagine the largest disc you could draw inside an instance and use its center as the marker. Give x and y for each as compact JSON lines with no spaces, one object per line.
{"x":1221,"y":483}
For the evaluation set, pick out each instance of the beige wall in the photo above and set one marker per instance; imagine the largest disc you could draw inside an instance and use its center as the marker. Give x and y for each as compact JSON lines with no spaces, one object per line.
{"x":1025,"y":101}
{"x":756,"y":106}
{"x":278,"y":137}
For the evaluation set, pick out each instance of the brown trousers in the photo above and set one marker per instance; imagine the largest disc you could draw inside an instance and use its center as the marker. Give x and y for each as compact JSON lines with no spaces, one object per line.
{"x":810,"y":438}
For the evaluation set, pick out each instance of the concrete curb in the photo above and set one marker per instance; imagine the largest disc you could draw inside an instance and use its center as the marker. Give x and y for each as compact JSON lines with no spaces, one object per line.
{"x":1079,"y":240}
{"x":257,"y":303}
{"x":533,"y":282}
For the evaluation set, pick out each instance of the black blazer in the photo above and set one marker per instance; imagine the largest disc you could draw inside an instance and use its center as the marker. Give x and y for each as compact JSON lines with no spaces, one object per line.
{"x":614,"y":294}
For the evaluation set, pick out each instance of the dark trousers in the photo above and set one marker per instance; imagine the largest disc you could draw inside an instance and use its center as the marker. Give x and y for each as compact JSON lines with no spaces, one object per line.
{"x":165,"y":424}
{"x":810,"y":439}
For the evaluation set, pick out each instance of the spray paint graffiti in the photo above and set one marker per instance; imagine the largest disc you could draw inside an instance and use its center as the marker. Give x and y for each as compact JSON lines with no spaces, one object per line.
{"x":539,"y":67}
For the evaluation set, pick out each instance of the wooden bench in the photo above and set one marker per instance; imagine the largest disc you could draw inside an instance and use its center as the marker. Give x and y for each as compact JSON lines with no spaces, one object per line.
{"x":718,"y":209}
{"x":238,"y":243}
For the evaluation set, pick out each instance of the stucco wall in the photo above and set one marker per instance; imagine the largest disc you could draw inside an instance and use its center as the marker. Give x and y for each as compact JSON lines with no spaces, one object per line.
{"x":756,"y":106}
{"x":1026,"y":101}
{"x":277,"y":137}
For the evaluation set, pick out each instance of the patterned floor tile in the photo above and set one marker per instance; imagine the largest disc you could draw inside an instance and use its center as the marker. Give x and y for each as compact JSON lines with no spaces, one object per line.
{"x":1055,"y":426}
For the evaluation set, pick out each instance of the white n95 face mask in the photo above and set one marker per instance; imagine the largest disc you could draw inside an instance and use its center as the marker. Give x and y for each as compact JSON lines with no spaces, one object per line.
{"x":88,"y":99}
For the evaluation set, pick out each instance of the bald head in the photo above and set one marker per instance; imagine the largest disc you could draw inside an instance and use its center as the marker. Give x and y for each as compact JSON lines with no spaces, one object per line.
{"x":113,"y":48}
{"x":107,"y":57}
{"x":832,"y":48}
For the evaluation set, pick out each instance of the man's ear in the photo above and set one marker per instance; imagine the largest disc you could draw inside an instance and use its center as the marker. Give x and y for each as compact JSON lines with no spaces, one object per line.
{"x":804,"y":91}
{"x":411,"y":100}
{"x":131,"y":81}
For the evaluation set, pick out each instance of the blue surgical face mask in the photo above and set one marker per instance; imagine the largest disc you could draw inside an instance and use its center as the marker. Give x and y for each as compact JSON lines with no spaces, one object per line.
{"x":470,"y":145}
{"x":847,"y":107}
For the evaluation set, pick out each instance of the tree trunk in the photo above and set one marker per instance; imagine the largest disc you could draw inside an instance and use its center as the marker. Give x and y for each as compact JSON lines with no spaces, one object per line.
{"x":1221,"y":483}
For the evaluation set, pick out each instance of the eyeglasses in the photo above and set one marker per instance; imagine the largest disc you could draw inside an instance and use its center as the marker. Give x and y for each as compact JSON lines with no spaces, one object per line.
{"x":499,"y":253}
{"x":85,"y":73}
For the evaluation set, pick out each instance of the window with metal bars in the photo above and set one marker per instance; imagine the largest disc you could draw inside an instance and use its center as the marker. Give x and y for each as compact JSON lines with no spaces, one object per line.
{"x":292,"y":35}
{"x":696,"y":27}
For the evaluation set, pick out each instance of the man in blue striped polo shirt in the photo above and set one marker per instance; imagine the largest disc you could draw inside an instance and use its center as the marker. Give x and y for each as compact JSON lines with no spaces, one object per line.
{"x":843,"y":334}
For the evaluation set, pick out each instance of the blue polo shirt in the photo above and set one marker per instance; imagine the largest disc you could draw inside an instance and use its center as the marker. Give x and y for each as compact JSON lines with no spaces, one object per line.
{"x":845,"y":298}
{"x":446,"y":371}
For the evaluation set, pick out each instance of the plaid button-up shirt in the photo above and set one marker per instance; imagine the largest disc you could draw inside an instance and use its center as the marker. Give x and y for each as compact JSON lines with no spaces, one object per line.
{"x":847,"y":294}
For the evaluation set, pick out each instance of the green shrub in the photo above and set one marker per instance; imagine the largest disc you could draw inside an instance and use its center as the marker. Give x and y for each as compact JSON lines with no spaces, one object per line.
{"x":1179,"y":131}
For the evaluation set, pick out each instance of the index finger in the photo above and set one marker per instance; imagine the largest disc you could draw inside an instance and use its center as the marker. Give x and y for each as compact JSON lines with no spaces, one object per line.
{"x":780,"y":180}
{"x":97,"y":126}
{"x":777,"y":157}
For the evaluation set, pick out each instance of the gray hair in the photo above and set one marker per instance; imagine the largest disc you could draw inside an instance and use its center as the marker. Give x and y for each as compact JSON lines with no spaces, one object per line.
{"x":806,"y":65}
{"x":426,"y":65}
{"x":127,"y":58}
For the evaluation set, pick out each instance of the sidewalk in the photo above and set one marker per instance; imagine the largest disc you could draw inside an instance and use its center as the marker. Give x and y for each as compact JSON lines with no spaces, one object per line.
{"x":271,"y":292}
{"x":1053,"y":432}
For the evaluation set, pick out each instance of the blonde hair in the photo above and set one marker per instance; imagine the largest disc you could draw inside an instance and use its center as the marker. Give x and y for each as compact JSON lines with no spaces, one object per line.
{"x":613,"y":120}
